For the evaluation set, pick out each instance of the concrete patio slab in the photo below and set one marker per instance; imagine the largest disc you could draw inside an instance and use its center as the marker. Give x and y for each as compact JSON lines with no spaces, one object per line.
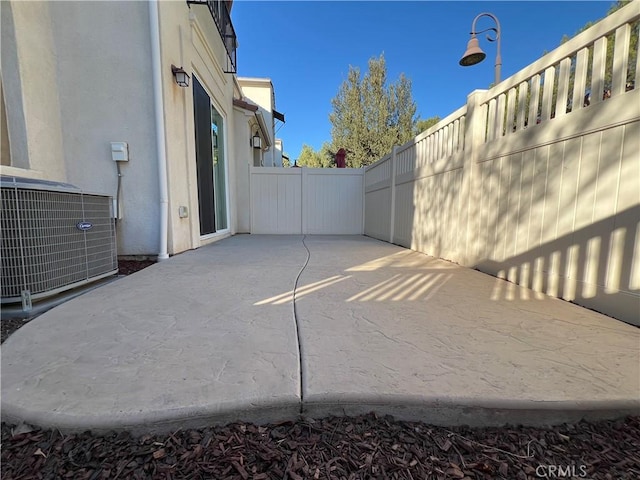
{"x":178,"y":344}
{"x":210,"y":336}
{"x":388,"y":329}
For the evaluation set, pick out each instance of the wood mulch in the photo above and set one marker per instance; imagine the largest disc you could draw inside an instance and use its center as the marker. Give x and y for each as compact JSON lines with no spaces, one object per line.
{"x":10,"y":325}
{"x":127,"y":267}
{"x":365,"y":447}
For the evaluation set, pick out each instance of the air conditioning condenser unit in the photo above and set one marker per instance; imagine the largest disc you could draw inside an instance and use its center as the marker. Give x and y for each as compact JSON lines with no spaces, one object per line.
{"x":55,"y":237}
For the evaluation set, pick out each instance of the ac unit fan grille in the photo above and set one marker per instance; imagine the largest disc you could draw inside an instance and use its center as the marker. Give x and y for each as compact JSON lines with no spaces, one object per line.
{"x":43,"y":250}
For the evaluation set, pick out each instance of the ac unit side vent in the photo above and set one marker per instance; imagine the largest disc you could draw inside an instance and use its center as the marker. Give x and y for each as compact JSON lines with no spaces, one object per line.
{"x":53,"y":240}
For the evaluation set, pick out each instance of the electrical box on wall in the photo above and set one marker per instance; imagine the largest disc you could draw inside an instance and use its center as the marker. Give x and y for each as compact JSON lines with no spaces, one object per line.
{"x":119,"y":151}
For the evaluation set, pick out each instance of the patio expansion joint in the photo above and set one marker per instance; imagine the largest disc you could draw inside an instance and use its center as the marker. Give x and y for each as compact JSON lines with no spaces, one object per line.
{"x":297,"y":325}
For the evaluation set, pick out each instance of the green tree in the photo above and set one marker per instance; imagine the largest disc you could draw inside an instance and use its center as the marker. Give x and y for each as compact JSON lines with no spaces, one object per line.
{"x":370,"y":115}
{"x":320,"y":159}
{"x":425,"y":124}
{"x":327,"y":155}
{"x":633,"y":54}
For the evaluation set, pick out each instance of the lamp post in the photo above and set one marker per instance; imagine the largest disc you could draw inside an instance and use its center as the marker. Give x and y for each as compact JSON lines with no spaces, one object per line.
{"x":474,"y":53}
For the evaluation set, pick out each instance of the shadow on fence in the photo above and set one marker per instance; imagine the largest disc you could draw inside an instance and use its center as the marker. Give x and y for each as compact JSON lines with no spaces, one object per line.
{"x":592,"y":266}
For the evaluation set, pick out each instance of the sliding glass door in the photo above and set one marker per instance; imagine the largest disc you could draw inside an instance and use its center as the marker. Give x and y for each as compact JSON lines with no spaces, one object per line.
{"x":210,"y":161}
{"x":219,"y":174}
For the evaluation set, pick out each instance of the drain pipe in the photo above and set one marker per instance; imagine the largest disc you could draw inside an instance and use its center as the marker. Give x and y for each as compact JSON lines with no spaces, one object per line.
{"x":160,"y":127}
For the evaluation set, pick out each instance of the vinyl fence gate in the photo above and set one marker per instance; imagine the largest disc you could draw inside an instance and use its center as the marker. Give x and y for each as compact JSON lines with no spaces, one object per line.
{"x":304,"y":200}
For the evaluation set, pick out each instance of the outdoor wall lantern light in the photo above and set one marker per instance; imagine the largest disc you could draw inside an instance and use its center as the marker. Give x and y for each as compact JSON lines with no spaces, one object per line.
{"x":256,"y":142}
{"x":182,"y":78}
{"x":474,"y":53}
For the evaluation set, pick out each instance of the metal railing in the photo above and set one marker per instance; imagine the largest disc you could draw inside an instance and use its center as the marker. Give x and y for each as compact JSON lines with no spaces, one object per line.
{"x":222,"y":18}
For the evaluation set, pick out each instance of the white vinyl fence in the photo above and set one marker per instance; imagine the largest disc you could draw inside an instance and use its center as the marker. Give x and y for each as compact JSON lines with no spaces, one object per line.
{"x":307,"y":200}
{"x":536,"y":180}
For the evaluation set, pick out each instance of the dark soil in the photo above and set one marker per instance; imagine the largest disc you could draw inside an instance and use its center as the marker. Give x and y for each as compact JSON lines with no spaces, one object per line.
{"x":10,"y":325}
{"x":365,"y":447}
{"x":125,"y":267}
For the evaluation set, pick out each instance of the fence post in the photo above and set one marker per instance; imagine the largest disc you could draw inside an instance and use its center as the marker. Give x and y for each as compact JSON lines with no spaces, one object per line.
{"x":251,"y":215}
{"x":475,"y":129}
{"x":363,"y":171}
{"x":392,"y":223}
{"x":303,"y":208}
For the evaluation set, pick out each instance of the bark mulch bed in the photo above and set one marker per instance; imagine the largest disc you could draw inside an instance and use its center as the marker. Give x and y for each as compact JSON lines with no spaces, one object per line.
{"x":365,"y":447}
{"x":10,"y":325}
{"x":127,"y":267}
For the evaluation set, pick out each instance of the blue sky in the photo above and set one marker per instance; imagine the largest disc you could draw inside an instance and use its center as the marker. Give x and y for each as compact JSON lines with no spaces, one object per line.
{"x":306,"y":47}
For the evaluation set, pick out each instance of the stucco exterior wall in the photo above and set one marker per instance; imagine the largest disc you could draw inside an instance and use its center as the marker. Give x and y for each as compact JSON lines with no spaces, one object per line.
{"x":277,"y":153}
{"x":5,"y":150}
{"x":189,"y":38}
{"x":29,"y":78}
{"x":244,"y":159}
{"x":260,"y":92}
{"x":106,"y":94}
{"x":79,"y":75}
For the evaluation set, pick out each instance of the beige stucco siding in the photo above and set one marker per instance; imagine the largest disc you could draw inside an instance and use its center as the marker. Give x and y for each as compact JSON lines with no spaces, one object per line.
{"x":189,"y":38}
{"x":243,"y":121}
{"x":30,"y":82}
{"x":106,"y":94}
{"x":260,"y":91}
{"x":79,"y":75}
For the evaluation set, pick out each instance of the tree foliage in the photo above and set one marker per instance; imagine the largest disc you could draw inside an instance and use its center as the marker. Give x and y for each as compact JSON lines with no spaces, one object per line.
{"x":426,"y":124}
{"x":323,"y":158}
{"x":633,"y":54}
{"x":370,"y":115}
